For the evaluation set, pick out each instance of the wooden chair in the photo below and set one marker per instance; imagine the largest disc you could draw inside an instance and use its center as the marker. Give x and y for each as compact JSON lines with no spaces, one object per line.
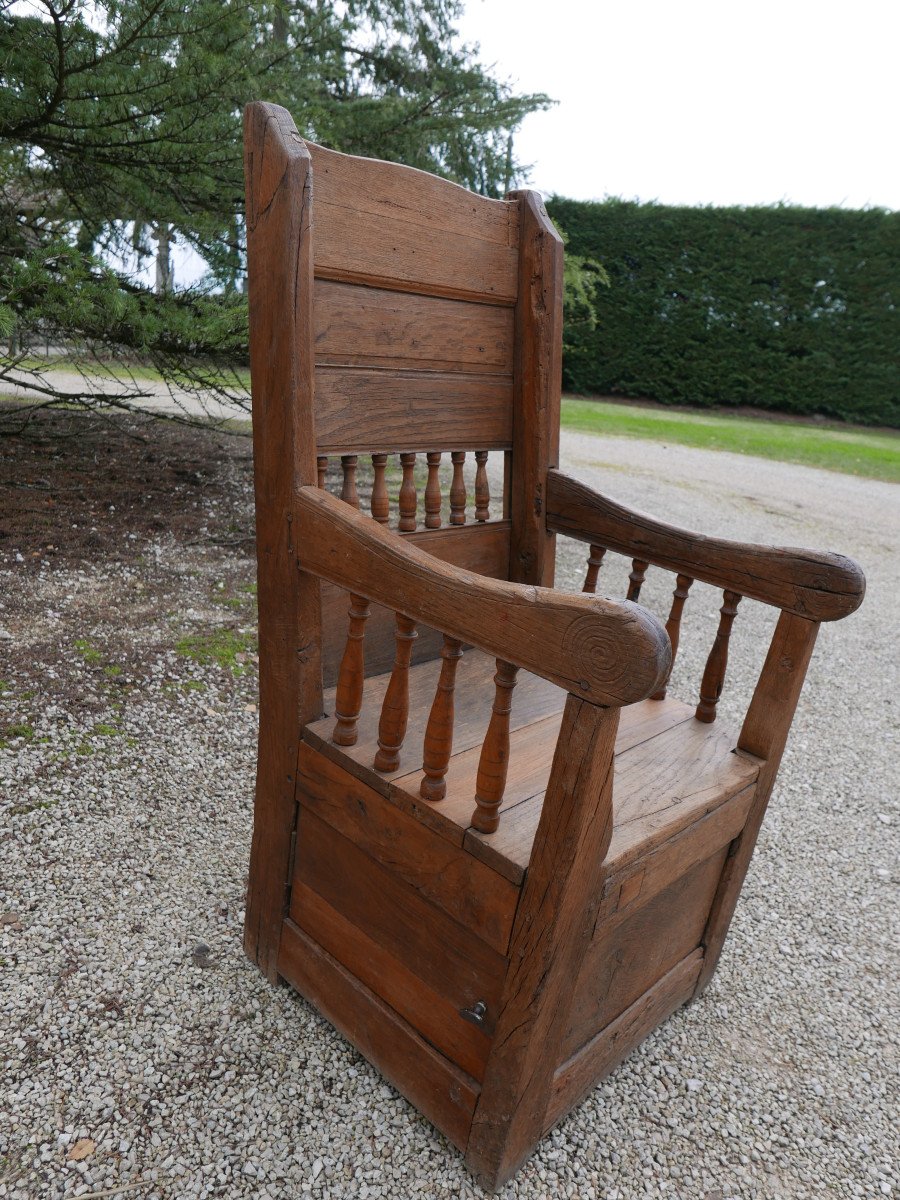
{"x":488,"y":846}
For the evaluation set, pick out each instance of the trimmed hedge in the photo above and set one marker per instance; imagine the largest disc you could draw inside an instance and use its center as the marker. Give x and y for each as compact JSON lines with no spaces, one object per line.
{"x":792,"y":309}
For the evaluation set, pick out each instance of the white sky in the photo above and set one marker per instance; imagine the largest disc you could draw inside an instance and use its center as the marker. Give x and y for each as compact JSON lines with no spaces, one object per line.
{"x":704,"y":101}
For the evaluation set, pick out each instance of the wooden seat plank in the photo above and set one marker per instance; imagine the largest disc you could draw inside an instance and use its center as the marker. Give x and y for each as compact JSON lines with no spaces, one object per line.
{"x":670,"y":769}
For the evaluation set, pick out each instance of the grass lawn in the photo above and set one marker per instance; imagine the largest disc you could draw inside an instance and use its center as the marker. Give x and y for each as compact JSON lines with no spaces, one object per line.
{"x":848,"y":448}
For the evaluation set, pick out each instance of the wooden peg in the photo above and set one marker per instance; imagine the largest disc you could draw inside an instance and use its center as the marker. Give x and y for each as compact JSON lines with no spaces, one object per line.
{"x":379,"y":504}
{"x":638,"y":571}
{"x":349,"y":493}
{"x":716,"y":664}
{"x":348,"y":697}
{"x":433,"y":491}
{"x":458,"y":495}
{"x":439,"y":730}
{"x":322,"y":468}
{"x":395,"y":709}
{"x":408,"y":498}
{"x":595,"y":558}
{"x":490,"y":782}
{"x":673,"y":625}
{"x":482,"y":487}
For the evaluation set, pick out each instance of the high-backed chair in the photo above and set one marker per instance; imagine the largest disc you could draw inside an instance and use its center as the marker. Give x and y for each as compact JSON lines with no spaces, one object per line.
{"x":488,"y":846}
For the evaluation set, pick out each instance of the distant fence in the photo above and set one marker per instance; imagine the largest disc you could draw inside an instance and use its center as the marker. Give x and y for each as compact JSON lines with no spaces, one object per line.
{"x":792,"y":309}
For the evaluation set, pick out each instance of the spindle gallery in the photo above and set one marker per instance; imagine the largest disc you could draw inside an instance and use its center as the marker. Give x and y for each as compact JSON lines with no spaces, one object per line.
{"x":499,"y":832}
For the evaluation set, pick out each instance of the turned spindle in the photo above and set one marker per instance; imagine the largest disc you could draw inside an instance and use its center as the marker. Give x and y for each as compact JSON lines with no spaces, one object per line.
{"x":348,"y":698}
{"x":433,"y":491}
{"x":408,"y":498}
{"x":595,"y":558}
{"x":490,"y":781}
{"x":636,"y":578}
{"x":349,"y":493}
{"x":716,"y":664}
{"x":482,"y":487}
{"x":673,"y":625}
{"x":458,"y":489}
{"x":379,"y":504}
{"x":322,"y":468}
{"x":395,"y":709}
{"x":439,"y":730}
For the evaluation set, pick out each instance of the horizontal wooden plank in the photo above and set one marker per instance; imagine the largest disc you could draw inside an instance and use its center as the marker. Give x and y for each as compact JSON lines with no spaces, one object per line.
{"x":449,"y":958}
{"x":387,"y":222}
{"x":362,"y":410}
{"x":464,"y":888}
{"x":639,"y":880}
{"x":592,"y":1062}
{"x":442,"y":1092}
{"x":429,"y":1012}
{"x":372,"y":327}
{"x":820,"y":587}
{"x":626,"y":958}
{"x":483,"y":548}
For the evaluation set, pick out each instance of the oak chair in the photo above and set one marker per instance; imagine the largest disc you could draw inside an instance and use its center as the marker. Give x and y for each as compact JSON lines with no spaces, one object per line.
{"x":488,"y":846}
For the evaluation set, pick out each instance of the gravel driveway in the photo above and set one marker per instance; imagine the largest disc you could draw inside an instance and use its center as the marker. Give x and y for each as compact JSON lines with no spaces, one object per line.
{"x":143,"y":1056}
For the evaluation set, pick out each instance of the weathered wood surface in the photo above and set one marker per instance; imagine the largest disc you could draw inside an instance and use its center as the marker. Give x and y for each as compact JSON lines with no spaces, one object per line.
{"x":820,"y":587}
{"x":626,"y":958}
{"x":438,"y":744}
{"x":396,"y":227}
{"x":372,"y":327}
{"x":538,"y":389}
{"x":493,"y":760}
{"x":444,"y":1093}
{"x":439,"y":949}
{"x":468,"y":891}
{"x":606,"y":652}
{"x":552,"y":929}
{"x":366,"y":409}
{"x":290,"y":642}
{"x":584,"y":1070}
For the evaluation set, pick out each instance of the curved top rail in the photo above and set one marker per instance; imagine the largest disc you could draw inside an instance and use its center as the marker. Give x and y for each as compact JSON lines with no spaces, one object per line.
{"x":607,"y":652}
{"x":385,"y":224}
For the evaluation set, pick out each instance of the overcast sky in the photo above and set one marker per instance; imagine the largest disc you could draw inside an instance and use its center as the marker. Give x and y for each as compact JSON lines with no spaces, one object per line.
{"x":704,"y":101}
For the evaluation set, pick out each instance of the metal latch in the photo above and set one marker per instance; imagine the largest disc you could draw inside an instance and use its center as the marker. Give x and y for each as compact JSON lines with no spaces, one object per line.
{"x":476,"y":1014}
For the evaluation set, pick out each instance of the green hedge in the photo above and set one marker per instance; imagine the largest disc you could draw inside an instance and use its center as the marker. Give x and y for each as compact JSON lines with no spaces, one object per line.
{"x":792,"y":309}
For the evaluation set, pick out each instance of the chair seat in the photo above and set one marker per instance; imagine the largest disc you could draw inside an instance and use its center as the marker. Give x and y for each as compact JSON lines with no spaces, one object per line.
{"x":670,"y":769}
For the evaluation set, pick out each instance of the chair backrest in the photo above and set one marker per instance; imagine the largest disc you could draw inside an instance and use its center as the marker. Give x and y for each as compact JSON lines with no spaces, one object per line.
{"x":411,"y":317}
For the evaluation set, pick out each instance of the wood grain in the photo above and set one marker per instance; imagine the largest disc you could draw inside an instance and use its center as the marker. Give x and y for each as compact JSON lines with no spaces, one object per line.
{"x":584,"y":1070}
{"x":290,"y":678}
{"x":439,"y":1089}
{"x":366,"y":409}
{"x":627,"y":958}
{"x":538,"y":387}
{"x":397,"y":227}
{"x":443,"y":953}
{"x":821,"y":587}
{"x":373,"y":327}
{"x":468,"y":891}
{"x":607,"y":652}
{"x":552,"y":928}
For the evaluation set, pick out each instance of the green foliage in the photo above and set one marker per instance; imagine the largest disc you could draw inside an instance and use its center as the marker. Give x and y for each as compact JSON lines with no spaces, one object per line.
{"x":120,"y":121}
{"x":223,"y":646}
{"x":791,"y":309}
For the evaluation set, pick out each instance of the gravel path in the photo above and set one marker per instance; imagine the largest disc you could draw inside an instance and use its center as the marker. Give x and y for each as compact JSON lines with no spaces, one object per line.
{"x":143,"y":1056}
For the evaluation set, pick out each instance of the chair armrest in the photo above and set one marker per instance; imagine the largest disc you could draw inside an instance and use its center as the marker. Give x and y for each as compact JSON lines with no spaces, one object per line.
{"x":610,"y":653}
{"x":820,"y":587}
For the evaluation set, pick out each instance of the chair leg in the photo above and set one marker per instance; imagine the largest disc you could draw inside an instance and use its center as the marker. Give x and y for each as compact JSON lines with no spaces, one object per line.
{"x":554,"y":924}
